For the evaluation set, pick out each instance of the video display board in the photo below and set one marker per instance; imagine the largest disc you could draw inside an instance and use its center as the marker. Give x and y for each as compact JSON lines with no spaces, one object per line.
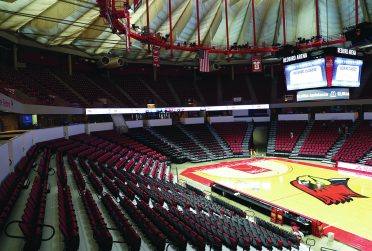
{"x":306,"y":75}
{"x":347,"y":72}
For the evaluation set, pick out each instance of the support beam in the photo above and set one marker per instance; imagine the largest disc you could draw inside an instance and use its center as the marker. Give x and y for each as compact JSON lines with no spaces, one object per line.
{"x":232,"y":73}
{"x":356,"y":13}
{"x":148,"y":22}
{"x":128,"y":25}
{"x":277,"y":24}
{"x":254,"y":26}
{"x":317,"y":17}
{"x":198,"y":20}
{"x":363,"y":5}
{"x":227,"y":31}
{"x":15,"y":57}
{"x":170,"y":27}
{"x":69,"y":64}
{"x":283,"y":18}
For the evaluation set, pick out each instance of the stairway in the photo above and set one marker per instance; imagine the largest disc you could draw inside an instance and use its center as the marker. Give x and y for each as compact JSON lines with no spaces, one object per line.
{"x":112,"y":97}
{"x":300,"y":142}
{"x":174,"y":93}
{"x":119,"y":123}
{"x":272,"y":138}
{"x":124,"y":93}
{"x":154,"y":93}
{"x":164,"y":139}
{"x":196,"y":141}
{"x":246,"y":144}
{"x":62,"y":82}
{"x":339,"y":143}
{"x":366,"y":157}
{"x":227,"y":151}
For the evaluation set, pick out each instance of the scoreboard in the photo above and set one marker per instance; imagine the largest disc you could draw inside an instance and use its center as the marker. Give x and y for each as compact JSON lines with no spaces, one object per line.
{"x":324,"y":68}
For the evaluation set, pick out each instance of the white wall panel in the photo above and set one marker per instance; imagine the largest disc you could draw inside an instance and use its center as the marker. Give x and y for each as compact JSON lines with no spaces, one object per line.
{"x":4,"y":161}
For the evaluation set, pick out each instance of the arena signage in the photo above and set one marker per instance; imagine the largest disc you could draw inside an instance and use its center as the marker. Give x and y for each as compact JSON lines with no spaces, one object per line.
{"x":346,"y":51}
{"x":295,"y":58}
{"x":93,"y":111}
{"x":354,"y":167}
{"x":8,"y":104}
{"x":323,"y":94}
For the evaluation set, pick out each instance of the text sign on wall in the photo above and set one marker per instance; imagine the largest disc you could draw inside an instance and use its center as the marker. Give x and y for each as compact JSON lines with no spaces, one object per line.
{"x":323,"y":94}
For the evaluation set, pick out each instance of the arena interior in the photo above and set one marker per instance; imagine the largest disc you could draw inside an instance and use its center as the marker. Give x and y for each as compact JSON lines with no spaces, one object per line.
{"x":185,"y":125}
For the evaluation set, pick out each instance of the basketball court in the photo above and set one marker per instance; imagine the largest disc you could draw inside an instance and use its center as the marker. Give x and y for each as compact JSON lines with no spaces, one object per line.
{"x":342,"y":201}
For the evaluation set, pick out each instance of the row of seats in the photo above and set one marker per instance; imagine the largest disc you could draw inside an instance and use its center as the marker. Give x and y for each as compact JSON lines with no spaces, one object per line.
{"x":368,"y":162}
{"x":95,"y":183}
{"x":106,"y":177}
{"x":145,"y":136}
{"x":84,"y":86}
{"x":233,"y":134}
{"x":172,"y":234}
{"x":67,"y":216}
{"x":12,"y":185}
{"x":176,"y":136}
{"x":232,"y":208}
{"x":147,"y":161}
{"x":127,"y":232}
{"x":100,"y":231}
{"x":258,"y":236}
{"x":111,"y":88}
{"x":130,"y":143}
{"x":357,"y":145}
{"x":78,"y":177}
{"x":82,"y":89}
{"x":287,"y":134}
{"x":34,"y":212}
{"x":204,"y":136}
{"x":136,"y":89}
{"x":161,"y":88}
{"x":186,"y":91}
{"x":133,"y":186}
{"x":145,"y":187}
{"x":111,"y":186}
{"x":189,"y":230}
{"x":156,"y":237}
{"x":33,"y":215}
{"x":141,"y":158}
{"x":24,"y":81}
{"x":67,"y":219}
{"x":321,"y":138}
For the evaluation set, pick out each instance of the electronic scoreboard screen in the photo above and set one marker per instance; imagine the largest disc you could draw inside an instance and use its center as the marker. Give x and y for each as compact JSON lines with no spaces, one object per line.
{"x":306,"y":75}
{"x":346,"y":72}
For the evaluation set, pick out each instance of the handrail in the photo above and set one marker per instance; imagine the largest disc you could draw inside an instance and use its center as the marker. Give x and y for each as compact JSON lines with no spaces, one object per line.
{"x":252,"y":213}
{"x":327,"y":249}
{"x":116,"y":229}
{"x":52,"y":171}
{"x":310,"y":242}
{"x":23,"y":237}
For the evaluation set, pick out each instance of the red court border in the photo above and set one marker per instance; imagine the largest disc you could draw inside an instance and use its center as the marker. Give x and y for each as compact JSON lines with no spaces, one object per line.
{"x":343,"y":236}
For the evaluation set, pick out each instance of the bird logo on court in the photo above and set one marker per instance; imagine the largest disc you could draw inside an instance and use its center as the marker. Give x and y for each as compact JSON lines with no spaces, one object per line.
{"x":330,"y":191}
